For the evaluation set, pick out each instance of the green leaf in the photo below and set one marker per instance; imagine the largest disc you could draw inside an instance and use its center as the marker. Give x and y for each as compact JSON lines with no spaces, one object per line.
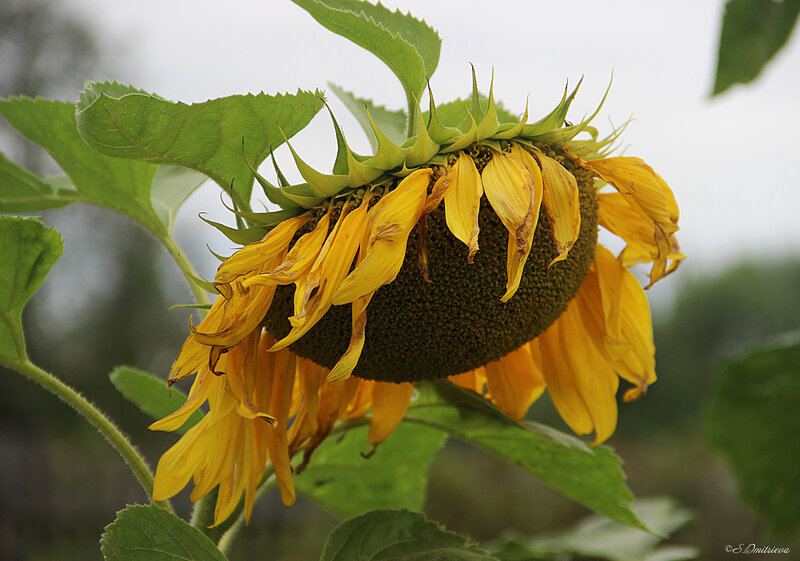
{"x":23,"y":191}
{"x":385,"y":535}
{"x":343,"y":481}
{"x":123,"y":186}
{"x":391,"y":123}
{"x":206,"y":136}
{"x":149,"y":194}
{"x":752,"y":32}
{"x":597,"y":537}
{"x":151,"y":533}
{"x":27,"y":251}
{"x":171,"y":187}
{"x":151,"y":394}
{"x":753,"y":423}
{"x":591,"y":476}
{"x":408,"y":46}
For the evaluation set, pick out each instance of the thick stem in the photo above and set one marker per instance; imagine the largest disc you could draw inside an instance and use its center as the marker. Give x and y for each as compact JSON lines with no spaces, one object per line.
{"x":411,"y":129}
{"x":99,"y":421}
{"x":186,"y":267}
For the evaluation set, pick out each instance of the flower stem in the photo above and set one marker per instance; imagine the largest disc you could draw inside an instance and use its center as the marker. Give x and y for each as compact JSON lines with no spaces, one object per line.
{"x":411,"y":129}
{"x":186,"y":267}
{"x":97,"y":419}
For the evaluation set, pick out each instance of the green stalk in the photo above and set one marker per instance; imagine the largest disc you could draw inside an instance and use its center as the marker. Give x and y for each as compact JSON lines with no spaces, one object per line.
{"x":186,"y":267}
{"x":411,"y":129}
{"x":99,"y":421}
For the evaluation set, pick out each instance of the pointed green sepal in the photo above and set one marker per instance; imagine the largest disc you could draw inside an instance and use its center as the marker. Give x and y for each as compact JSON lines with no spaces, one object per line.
{"x":564,"y":135}
{"x":361,"y":174}
{"x":241,"y":237}
{"x":507,"y":131}
{"x":389,"y":154}
{"x":467,"y":138}
{"x":265,"y":219}
{"x":322,"y":185}
{"x":475,"y":108}
{"x":489,"y":124}
{"x":554,"y":119}
{"x":282,"y":181}
{"x":194,"y":306}
{"x":436,"y":130}
{"x":592,"y":149}
{"x":303,"y":195}
{"x":340,"y":164}
{"x":423,"y":147}
{"x":208,"y":286}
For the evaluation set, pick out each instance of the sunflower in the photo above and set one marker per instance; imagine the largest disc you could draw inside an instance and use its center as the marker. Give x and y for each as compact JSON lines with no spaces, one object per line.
{"x":468,"y":252}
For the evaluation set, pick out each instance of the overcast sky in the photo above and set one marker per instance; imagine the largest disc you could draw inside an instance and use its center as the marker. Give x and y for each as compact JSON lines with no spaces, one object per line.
{"x":731,"y":161}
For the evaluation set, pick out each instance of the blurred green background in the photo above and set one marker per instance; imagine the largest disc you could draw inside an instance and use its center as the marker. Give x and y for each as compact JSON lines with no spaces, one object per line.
{"x":105,"y":304}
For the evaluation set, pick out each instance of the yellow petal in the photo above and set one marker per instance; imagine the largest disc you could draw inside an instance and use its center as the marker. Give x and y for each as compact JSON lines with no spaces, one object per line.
{"x":332,"y":270}
{"x":561,"y":202}
{"x":253,"y":255}
{"x":462,"y":201}
{"x":347,"y":363}
{"x":581,"y":383}
{"x":277,"y":442}
{"x":390,"y":222}
{"x":507,"y":184}
{"x":389,"y":404}
{"x":647,"y":242}
{"x":610,"y":277}
{"x":642,"y":187}
{"x":515,"y":382}
{"x":515,"y":195}
{"x":299,"y":259}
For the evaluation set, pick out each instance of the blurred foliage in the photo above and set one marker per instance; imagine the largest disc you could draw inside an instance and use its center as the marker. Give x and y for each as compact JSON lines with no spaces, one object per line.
{"x":44,"y":51}
{"x":753,"y":31}
{"x":753,"y":423}
{"x":713,"y":318}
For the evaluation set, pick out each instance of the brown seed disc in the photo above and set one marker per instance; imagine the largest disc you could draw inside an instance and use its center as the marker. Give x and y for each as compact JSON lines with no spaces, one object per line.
{"x":421,"y":331}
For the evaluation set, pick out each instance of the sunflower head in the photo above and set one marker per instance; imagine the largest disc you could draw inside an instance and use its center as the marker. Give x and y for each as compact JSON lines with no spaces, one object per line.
{"x":468,"y":251}
{"x":465,"y":242}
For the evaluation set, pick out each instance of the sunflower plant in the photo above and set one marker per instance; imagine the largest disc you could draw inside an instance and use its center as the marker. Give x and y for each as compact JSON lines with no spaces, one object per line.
{"x":436,"y":286}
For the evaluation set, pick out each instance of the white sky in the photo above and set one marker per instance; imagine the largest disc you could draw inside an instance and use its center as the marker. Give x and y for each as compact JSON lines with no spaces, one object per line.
{"x":731,"y":161}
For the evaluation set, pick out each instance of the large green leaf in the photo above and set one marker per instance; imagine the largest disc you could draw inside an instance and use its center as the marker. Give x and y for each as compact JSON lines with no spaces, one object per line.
{"x":22,"y":191}
{"x":391,"y":123}
{"x":348,"y":484}
{"x":392,"y":535}
{"x":597,"y":537}
{"x":151,"y":395}
{"x":171,"y":186}
{"x":151,"y":533}
{"x":208,"y":137}
{"x":27,"y":251}
{"x":123,"y":186}
{"x":590,"y":475}
{"x":408,"y":47}
{"x":752,"y":32}
{"x":754,"y":423}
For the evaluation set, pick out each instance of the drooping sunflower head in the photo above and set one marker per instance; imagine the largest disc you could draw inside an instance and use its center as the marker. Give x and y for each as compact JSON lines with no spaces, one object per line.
{"x":468,"y":251}
{"x":464,"y":243}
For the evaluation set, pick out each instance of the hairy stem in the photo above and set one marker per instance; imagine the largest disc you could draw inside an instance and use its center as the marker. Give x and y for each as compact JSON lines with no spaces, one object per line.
{"x":96,"y":418}
{"x":200,"y":295}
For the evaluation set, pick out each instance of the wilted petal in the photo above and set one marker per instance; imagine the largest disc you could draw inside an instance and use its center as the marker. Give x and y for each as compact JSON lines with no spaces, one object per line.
{"x":515,"y":382}
{"x":389,"y":404}
{"x":390,"y":222}
{"x":562,"y":204}
{"x":462,"y":202}
{"x":299,"y":260}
